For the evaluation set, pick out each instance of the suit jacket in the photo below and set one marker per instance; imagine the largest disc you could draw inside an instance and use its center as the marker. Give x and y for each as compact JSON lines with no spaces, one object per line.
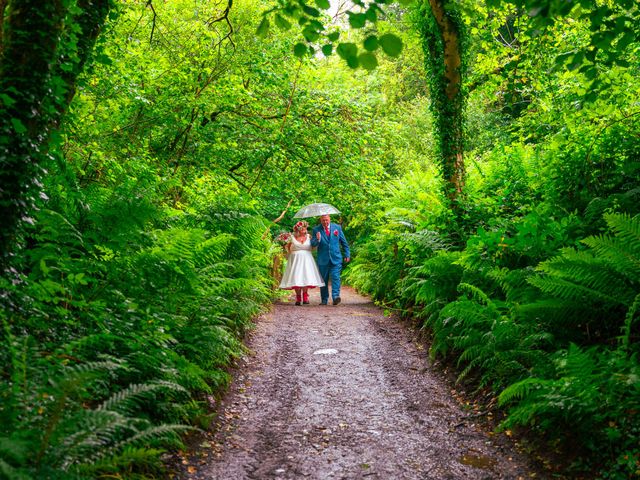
{"x":329,"y":246}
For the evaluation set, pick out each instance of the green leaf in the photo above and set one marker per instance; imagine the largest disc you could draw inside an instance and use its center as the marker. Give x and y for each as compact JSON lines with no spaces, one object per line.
{"x":576,"y":61}
{"x":6,"y":99}
{"x":371,"y":14}
{"x":333,"y":36}
{"x":18,"y":126}
{"x":300,"y":50}
{"x":357,"y":20}
{"x":282,"y":22}
{"x":626,"y":40}
{"x":621,"y":62}
{"x":368,"y":61}
{"x":316,"y":24}
{"x":347,"y":50}
{"x":313,"y":12}
{"x":323,"y":4}
{"x":370,"y":43}
{"x":353,"y":62}
{"x":590,"y":72}
{"x":391,"y":45}
{"x":405,"y":2}
{"x":327,"y":49}
{"x":563,"y":57}
{"x":263,"y":28}
{"x":310,"y":33}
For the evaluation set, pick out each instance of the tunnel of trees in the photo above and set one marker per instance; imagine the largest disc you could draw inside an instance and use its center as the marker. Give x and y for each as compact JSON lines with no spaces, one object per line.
{"x":485,"y":156}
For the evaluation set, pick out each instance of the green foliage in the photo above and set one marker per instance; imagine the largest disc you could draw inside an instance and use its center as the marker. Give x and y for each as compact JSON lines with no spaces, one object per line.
{"x":44,"y":49}
{"x":592,"y":395}
{"x":600,"y":285}
{"x":316,"y":27}
{"x":539,"y":271}
{"x":148,"y":255}
{"x":170,"y":304}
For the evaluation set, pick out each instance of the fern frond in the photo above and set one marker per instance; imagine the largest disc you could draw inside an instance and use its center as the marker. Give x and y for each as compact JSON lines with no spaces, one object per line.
{"x":73,"y":374}
{"x":128,"y":400}
{"x":161,"y":434}
{"x":212,"y":250}
{"x":622,"y":251}
{"x":9,"y":472}
{"x":479,"y":296}
{"x":628,"y":321}
{"x":141,"y":458}
{"x":520,"y":390}
{"x":595,"y":283}
{"x":13,"y":450}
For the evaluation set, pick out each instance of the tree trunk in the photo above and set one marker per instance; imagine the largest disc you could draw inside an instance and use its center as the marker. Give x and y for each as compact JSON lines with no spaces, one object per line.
{"x":31,"y":73}
{"x":443,"y":50}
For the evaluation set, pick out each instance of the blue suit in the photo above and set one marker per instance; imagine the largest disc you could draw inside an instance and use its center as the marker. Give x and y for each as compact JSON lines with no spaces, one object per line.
{"x":330,"y":258}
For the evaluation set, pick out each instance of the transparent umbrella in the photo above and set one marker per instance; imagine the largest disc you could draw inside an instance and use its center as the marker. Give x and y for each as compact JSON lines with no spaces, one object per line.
{"x":315,"y":210}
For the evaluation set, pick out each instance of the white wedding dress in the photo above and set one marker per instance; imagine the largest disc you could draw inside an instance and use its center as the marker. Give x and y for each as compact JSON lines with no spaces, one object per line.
{"x":301,"y":269}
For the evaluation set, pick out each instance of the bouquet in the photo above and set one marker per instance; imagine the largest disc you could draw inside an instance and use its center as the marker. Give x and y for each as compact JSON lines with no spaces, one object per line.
{"x":283,"y":238}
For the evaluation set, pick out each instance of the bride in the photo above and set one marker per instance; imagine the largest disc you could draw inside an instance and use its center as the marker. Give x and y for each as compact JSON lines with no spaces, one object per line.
{"x":301,"y":272}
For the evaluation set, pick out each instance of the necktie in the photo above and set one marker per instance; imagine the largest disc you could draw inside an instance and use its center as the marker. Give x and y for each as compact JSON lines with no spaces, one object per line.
{"x":326,"y":230}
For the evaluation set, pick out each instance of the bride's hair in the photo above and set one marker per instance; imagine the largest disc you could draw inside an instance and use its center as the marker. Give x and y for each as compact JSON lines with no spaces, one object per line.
{"x":300,"y":225}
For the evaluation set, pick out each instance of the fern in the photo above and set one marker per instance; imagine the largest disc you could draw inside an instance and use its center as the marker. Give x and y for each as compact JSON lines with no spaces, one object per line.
{"x":622,"y":250}
{"x":9,"y":472}
{"x":520,"y":390}
{"x":590,"y":396}
{"x":162,"y":434}
{"x":139,"y":463}
{"x":628,"y":322}
{"x":128,"y":400}
{"x":600,"y":285}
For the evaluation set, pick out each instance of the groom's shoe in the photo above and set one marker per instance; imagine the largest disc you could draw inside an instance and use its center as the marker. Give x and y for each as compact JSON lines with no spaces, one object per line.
{"x":336,"y":300}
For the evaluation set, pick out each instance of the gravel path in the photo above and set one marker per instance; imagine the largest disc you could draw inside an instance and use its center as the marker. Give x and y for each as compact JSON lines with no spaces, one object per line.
{"x":344,"y":393}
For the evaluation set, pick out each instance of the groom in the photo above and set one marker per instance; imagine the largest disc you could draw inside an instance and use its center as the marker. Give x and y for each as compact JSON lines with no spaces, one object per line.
{"x":328,"y":237}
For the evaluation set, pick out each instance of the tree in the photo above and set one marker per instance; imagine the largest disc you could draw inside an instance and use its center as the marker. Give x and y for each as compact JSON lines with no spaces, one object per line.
{"x":441,"y":31}
{"x":44,"y":47}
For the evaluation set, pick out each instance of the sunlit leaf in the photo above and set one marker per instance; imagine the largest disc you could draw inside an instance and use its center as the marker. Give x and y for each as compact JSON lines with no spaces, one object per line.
{"x":357,"y":20}
{"x":371,"y":14}
{"x":323,"y":4}
{"x":327,"y":49}
{"x":347,"y":50}
{"x":391,"y":45}
{"x":282,"y":22}
{"x":310,"y":34}
{"x":353,"y":62}
{"x":300,"y":50}
{"x":314,"y":12}
{"x":370,"y":43}
{"x":263,"y":28}
{"x":368,"y":61}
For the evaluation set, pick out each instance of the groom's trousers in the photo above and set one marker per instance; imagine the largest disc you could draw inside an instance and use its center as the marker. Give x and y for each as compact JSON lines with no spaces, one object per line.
{"x":330,"y":271}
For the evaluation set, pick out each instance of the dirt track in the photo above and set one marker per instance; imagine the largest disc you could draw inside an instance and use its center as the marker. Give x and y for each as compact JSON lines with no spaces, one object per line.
{"x":344,"y":393}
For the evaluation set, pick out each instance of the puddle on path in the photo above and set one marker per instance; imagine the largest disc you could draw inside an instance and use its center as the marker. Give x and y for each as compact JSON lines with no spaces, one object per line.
{"x":478,"y":461}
